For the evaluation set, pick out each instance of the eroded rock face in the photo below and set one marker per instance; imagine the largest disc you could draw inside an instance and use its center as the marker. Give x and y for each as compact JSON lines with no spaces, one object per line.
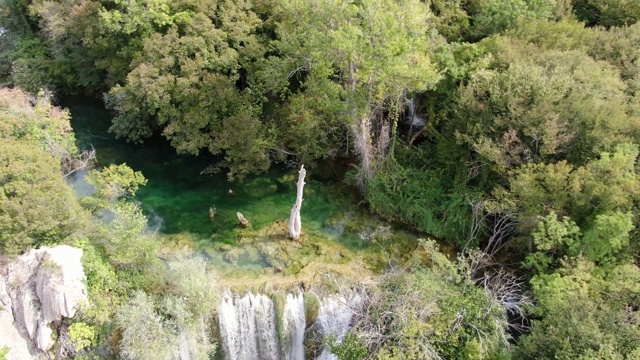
{"x":37,"y":290}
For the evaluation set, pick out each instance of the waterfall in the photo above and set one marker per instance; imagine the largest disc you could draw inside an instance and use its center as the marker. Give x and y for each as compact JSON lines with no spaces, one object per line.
{"x":294,"y":324}
{"x":412,"y":119}
{"x":250,"y":329}
{"x":266,"y":328}
{"x":334,"y":318}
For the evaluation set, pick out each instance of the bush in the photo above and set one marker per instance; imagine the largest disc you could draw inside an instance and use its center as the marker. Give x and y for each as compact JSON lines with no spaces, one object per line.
{"x":426,"y":199}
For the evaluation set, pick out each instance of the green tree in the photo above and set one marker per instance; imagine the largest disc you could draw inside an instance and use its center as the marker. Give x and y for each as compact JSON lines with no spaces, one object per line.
{"x":145,"y":334}
{"x":129,"y":244}
{"x":603,"y":185}
{"x":553,"y":237}
{"x":112,"y":183}
{"x":185,"y":84}
{"x":179,"y":321}
{"x":585,"y":314}
{"x":616,"y":46}
{"x":494,"y":16}
{"x":607,"y":12}
{"x":595,"y":202}
{"x":608,"y":235}
{"x":71,"y":31}
{"x":533,"y":105}
{"x":81,"y":335}
{"x":37,"y":206}
{"x":431,"y":312}
{"x":353,"y":63}
{"x":452,"y":21}
{"x":31,"y":65}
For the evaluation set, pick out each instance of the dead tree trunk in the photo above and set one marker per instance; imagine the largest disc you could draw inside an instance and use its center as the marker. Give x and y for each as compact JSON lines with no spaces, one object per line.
{"x":295,"y":224}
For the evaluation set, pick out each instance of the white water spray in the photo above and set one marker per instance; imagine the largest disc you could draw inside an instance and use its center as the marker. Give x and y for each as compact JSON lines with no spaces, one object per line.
{"x":334,"y":319}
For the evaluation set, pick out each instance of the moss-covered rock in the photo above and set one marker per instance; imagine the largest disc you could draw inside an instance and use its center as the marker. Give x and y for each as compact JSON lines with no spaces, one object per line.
{"x":311,"y":307}
{"x":279,"y":299}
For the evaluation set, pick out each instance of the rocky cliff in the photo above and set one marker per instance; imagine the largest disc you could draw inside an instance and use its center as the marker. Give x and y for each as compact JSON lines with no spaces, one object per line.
{"x":37,"y":290}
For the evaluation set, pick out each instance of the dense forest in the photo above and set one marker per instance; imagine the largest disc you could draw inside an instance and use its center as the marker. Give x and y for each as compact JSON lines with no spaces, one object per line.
{"x":506,"y":128}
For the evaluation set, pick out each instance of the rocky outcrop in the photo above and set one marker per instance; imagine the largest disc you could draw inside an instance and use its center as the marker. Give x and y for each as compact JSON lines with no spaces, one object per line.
{"x":37,"y":290}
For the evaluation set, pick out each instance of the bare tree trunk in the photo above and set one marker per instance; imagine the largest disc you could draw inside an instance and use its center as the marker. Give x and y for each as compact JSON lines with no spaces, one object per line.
{"x":363,"y":147}
{"x":295,"y":224}
{"x":417,"y":134}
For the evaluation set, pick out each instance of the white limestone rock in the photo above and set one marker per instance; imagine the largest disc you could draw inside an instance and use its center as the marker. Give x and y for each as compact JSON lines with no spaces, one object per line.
{"x":59,"y":283}
{"x":37,"y":290}
{"x":9,"y":335}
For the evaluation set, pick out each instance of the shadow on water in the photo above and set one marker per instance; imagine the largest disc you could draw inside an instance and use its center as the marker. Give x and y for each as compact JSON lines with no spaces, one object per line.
{"x":178,"y":196}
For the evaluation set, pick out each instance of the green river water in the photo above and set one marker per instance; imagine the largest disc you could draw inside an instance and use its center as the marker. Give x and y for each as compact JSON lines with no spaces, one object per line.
{"x":178,"y":196}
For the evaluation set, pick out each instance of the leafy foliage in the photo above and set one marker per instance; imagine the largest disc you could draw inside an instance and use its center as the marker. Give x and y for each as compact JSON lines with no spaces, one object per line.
{"x":543,"y":105}
{"x":177,"y":322}
{"x":359,"y":59}
{"x":186,"y":84}
{"x":585,"y":314}
{"x":81,"y":335}
{"x":111,"y":183}
{"x":431,"y":313}
{"x":495,"y":16}
{"x":36,"y":205}
{"x":607,"y":12}
{"x":424,"y":198}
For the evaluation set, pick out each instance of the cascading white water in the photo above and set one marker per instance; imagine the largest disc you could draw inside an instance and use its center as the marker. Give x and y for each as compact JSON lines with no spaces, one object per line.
{"x":229,"y":327}
{"x":294,"y":323}
{"x":249,"y":328}
{"x":334,"y":318}
{"x":412,"y":119}
{"x":266,"y":328}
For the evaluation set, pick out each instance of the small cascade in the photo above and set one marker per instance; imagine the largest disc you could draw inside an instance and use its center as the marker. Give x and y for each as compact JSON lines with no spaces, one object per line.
{"x":334,"y":318}
{"x":154,"y":221}
{"x":413,"y":120}
{"x":250,"y":328}
{"x":294,"y":323}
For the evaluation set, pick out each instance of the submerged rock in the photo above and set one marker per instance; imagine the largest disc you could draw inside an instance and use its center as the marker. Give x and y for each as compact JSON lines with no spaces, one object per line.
{"x":233,"y":255}
{"x":37,"y":290}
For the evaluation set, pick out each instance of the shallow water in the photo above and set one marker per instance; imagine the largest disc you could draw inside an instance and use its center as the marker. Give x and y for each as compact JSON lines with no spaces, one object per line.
{"x":178,"y":195}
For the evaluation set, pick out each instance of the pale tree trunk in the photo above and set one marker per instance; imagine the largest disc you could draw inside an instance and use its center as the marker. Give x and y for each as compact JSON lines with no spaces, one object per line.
{"x":364,"y":148}
{"x":295,"y":224}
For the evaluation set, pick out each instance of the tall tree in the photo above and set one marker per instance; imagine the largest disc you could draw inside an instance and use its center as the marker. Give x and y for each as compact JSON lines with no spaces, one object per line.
{"x":354,"y":62}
